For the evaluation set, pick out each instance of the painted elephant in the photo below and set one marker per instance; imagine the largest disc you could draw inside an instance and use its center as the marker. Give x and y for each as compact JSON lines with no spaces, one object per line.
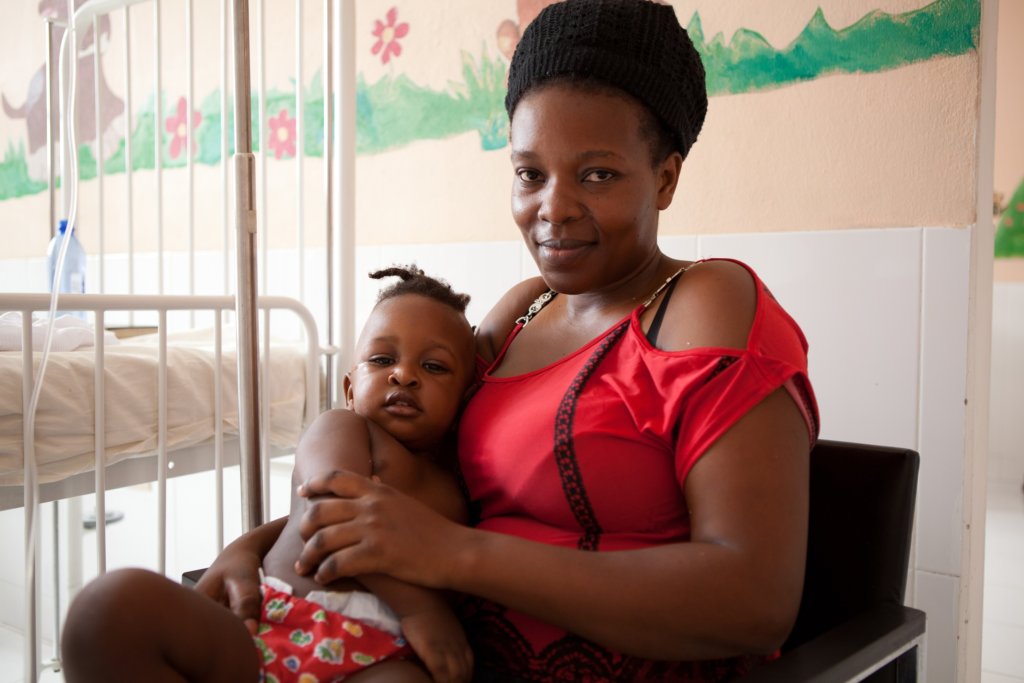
{"x":509,"y":31}
{"x":90,"y":71}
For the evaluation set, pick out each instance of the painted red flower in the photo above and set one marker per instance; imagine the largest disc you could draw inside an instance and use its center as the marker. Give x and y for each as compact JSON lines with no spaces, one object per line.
{"x":387,"y":36}
{"x":177,"y":126}
{"x":282,"y":135}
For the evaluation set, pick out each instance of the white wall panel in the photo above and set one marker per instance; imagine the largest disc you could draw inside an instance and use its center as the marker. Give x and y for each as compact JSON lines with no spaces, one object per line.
{"x":943,"y":388}
{"x":856,"y":294}
{"x":1006,"y":439}
{"x":937,"y":595}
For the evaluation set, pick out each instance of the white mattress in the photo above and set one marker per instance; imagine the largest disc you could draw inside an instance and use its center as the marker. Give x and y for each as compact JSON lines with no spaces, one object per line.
{"x":65,"y":441}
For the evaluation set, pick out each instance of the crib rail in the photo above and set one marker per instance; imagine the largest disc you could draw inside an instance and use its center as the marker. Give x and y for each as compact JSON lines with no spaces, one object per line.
{"x":162,"y":305}
{"x":131,"y":223}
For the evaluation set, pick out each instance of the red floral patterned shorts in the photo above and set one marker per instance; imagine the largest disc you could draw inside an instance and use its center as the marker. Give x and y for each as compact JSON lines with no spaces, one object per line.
{"x":303,"y":642}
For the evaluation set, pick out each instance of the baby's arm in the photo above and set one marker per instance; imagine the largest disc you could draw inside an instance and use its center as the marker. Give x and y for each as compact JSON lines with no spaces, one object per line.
{"x":429,"y":625}
{"x":341,"y":439}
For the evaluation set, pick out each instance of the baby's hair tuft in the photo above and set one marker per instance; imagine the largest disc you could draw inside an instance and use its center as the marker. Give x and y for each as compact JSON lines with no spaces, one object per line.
{"x":415,"y":281}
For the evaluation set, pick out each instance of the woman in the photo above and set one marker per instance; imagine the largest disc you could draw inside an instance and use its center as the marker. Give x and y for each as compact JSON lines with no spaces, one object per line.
{"x":638,"y":446}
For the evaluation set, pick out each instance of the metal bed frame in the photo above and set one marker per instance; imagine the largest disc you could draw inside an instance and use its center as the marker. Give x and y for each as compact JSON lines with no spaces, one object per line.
{"x":250,"y":202}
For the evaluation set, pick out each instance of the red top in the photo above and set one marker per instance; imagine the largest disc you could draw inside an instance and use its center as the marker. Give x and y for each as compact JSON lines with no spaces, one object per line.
{"x":593,"y":451}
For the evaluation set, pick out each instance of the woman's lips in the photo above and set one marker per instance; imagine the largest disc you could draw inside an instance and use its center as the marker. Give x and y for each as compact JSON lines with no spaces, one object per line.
{"x":562,"y":253}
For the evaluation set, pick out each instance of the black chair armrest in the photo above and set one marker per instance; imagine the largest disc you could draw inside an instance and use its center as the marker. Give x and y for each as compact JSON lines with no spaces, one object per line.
{"x":191,"y":578}
{"x":850,"y":650}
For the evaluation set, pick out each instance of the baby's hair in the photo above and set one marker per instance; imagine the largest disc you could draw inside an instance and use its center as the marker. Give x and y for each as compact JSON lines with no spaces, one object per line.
{"x":415,"y":281}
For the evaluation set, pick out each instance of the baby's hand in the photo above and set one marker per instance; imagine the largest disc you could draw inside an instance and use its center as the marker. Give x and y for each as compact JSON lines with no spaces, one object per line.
{"x":438,"y":640}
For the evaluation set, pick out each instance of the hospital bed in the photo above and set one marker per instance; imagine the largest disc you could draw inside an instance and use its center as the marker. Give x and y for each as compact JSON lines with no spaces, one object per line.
{"x":218,"y":379}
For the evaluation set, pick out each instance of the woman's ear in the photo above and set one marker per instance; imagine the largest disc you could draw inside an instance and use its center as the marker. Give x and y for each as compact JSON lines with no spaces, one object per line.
{"x":668,"y":178}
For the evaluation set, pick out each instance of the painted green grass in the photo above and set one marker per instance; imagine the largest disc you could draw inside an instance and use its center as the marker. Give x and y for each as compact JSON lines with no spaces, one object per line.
{"x":14,"y":179}
{"x":395,"y":111}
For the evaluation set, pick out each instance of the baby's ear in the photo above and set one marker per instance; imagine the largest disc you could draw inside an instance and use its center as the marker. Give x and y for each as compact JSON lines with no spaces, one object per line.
{"x":470,"y":390}
{"x":346,"y":388}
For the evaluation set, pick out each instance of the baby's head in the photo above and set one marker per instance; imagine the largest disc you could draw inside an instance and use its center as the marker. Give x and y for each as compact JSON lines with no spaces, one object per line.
{"x":414,"y":359}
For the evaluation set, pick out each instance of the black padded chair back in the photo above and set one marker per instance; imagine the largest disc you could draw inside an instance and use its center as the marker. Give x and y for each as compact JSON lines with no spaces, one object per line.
{"x":861,"y":519}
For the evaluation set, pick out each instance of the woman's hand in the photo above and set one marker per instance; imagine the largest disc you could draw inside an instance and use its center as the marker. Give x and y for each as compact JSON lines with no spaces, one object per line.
{"x":354,"y":525}
{"x":233,"y":579}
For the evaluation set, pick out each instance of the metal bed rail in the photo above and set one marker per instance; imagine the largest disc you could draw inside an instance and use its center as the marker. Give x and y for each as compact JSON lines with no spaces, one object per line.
{"x":100,"y":305}
{"x":244,"y":191}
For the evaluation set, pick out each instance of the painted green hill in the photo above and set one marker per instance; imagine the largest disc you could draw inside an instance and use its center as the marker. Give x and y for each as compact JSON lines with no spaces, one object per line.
{"x":877,"y":42}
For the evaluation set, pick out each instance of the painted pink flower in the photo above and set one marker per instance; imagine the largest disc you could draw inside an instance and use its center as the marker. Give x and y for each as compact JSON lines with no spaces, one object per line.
{"x":387,"y":36}
{"x":282,"y":135}
{"x":177,"y":126}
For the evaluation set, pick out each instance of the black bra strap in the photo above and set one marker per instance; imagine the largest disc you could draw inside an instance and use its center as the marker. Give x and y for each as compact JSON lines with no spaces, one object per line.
{"x":652,"y":332}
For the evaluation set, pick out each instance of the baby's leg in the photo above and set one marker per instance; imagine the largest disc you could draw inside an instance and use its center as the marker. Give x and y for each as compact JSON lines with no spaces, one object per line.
{"x":135,"y":625}
{"x":397,"y":671}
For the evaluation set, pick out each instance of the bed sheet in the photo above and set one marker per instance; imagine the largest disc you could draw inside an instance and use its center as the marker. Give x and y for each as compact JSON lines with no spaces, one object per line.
{"x":65,"y":419}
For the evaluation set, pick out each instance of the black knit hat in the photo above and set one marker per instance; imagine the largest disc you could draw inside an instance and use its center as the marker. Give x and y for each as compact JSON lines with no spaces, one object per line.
{"x":635,"y":45}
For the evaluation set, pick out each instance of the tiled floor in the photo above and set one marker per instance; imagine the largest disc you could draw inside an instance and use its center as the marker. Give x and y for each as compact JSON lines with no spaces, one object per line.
{"x":1002,"y":650}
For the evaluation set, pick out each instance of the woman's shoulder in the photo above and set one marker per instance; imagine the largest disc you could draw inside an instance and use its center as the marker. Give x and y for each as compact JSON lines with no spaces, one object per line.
{"x":713,"y":306}
{"x":499,"y":322}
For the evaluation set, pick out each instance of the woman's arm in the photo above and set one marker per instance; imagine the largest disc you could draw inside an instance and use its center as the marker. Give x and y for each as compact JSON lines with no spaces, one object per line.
{"x":734,"y":589}
{"x":346,"y":440}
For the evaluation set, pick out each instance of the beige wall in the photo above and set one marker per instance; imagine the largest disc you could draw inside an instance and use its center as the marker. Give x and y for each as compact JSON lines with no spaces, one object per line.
{"x":843,"y":151}
{"x":1009,"y":151}
{"x":1009,"y":169}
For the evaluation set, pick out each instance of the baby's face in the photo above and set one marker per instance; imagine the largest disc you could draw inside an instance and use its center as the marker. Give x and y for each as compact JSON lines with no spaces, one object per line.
{"x":413,"y":365}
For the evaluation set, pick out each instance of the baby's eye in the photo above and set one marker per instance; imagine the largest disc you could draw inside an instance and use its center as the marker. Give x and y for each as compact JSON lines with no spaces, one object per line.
{"x":528,"y":175}
{"x":599,"y":175}
{"x":380,"y":360}
{"x":437,"y":368}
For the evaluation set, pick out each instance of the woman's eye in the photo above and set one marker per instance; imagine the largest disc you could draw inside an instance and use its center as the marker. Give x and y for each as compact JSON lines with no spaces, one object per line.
{"x":528,"y":175}
{"x":598,"y":176}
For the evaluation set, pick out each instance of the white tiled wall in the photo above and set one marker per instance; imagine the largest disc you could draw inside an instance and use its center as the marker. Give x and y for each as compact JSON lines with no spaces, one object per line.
{"x":885,"y":314}
{"x":1006,"y":438}
{"x":937,"y":595}
{"x":943,"y":390}
{"x":857,"y":296}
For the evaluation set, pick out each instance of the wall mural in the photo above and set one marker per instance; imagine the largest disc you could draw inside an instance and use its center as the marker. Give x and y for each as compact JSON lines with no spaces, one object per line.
{"x":1010,"y":230}
{"x":394,"y":110}
{"x":23,"y":170}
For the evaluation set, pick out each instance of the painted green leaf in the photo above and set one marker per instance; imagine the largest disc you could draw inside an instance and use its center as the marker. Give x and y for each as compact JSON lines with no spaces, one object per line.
{"x":1010,"y":231}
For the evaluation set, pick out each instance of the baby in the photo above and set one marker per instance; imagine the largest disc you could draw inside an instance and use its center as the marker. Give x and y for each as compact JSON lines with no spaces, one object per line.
{"x":413,"y":369}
